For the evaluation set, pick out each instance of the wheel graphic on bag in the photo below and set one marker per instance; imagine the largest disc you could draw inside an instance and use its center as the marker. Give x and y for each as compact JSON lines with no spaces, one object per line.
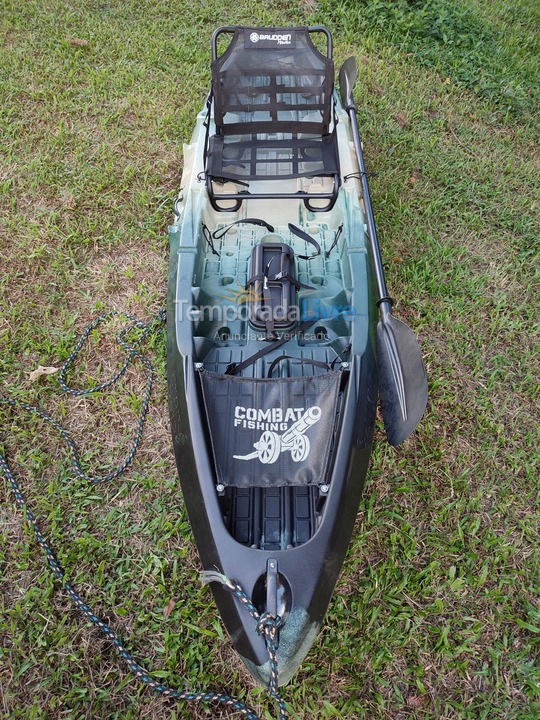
{"x":269,"y":447}
{"x":300,"y":448}
{"x":294,"y":439}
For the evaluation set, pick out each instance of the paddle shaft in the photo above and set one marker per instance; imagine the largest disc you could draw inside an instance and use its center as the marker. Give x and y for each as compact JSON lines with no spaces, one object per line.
{"x":385,"y":303}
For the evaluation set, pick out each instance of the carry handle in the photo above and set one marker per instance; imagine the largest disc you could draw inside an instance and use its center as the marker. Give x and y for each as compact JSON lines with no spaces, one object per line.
{"x":231,"y":29}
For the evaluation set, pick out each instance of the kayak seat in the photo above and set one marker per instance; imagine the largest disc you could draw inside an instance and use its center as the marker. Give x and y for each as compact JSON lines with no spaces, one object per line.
{"x":272,"y":107}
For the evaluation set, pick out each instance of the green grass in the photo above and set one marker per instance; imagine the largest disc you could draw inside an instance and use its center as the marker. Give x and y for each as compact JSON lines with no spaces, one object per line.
{"x":435,"y":616}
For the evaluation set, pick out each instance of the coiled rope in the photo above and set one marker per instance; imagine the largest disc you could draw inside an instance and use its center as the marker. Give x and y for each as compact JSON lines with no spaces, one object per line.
{"x":266,"y":625}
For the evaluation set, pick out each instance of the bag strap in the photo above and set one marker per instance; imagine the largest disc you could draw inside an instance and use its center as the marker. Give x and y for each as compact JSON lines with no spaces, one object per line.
{"x":218,"y":234}
{"x":309,"y":361}
{"x":279,"y":278}
{"x":298,"y":285}
{"x":235,"y":368}
{"x":304,"y":236}
{"x":315,"y":363}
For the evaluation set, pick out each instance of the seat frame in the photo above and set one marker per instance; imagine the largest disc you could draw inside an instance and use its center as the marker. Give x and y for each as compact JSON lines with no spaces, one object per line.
{"x":241,"y":195}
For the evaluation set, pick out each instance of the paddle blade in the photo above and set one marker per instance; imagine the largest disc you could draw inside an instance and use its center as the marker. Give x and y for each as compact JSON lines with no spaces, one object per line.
{"x":402,"y":379}
{"x":347,"y":78}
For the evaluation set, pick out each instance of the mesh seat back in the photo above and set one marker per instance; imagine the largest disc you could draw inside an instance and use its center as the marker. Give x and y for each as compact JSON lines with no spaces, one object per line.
{"x":272,"y":80}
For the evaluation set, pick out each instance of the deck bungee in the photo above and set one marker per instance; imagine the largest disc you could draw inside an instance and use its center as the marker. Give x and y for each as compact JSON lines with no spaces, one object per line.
{"x":280,"y":336}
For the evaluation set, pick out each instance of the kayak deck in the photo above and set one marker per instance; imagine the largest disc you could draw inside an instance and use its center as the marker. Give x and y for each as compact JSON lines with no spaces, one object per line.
{"x":271,"y":518}
{"x":275,"y":518}
{"x":222,"y":281}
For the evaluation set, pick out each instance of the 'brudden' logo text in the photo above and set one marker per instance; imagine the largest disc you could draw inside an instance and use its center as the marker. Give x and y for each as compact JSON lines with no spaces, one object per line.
{"x":279,"y":38}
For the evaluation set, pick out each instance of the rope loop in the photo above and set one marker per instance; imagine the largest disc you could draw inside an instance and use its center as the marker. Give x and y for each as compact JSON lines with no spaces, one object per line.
{"x":268,"y":625}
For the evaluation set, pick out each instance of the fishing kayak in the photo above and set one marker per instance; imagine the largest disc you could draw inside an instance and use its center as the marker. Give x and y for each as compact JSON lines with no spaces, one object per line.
{"x":281,"y":335}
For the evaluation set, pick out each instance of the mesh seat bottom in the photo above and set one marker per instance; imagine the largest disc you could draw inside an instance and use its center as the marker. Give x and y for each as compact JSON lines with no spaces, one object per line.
{"x":277,"y":156}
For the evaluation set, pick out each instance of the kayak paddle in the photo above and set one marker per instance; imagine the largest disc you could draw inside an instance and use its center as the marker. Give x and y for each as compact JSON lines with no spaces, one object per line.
{"x":402,"y":376}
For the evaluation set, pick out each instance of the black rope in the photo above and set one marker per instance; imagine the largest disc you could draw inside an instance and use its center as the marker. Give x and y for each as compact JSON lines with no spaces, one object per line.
{"x":265,"y":624}
{"x":359,"y":175}
{"x":386,"y":299}
{"x":334,"y":243}
{"x":208,"y":237}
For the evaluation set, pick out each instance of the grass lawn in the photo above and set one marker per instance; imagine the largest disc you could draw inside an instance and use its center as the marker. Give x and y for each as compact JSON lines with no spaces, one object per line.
{"x":435,"y":616}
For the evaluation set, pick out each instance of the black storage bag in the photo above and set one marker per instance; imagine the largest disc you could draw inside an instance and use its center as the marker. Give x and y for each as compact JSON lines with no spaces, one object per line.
{"x":271,"y":432}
